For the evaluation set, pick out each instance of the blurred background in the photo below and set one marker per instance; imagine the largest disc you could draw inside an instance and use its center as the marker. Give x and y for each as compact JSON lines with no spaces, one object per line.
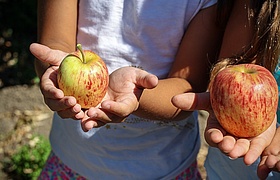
{"x":18,"y":28}
{"x":24,"y":119}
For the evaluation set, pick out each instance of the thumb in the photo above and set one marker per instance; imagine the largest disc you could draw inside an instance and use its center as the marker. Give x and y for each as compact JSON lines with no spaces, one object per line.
{"x":192,"y":101}
{"x":47,"y":55}
{"x":145,"y":79}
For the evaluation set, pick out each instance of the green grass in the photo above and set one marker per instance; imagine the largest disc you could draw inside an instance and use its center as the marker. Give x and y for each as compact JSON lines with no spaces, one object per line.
{"x":28,"y":161}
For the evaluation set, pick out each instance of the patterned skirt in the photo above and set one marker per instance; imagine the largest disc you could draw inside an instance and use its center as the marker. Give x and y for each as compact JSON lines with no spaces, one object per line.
{"x":55,"y":169}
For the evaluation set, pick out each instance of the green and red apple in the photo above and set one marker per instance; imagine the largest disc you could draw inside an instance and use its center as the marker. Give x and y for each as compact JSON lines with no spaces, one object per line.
{"x":244,"y":99}
{"x":84,"y":75}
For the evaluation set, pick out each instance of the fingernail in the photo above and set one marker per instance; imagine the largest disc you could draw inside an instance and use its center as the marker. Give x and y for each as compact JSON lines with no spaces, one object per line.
{"x":76,"y":109}
{"x":231,"y":158}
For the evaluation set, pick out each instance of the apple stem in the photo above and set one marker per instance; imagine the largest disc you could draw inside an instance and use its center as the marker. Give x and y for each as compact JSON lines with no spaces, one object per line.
{"x":79,"y":47}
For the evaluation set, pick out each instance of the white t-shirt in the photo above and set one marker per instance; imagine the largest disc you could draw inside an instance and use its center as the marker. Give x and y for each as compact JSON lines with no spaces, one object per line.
{"x":143,"y":33}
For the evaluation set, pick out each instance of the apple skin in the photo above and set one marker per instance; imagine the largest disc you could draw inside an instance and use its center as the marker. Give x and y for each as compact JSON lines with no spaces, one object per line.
{"x":244,"y":99}
{"x":84,"y":75}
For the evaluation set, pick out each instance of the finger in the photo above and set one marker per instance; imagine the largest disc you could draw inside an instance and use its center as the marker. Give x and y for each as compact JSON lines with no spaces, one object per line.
{"x":49,"y":85}
{"x":121,"y":109}
{"x":213,"y":137}
{"x":263,"y":170}
{"x":53,"y":96}
{"x":62,"y":104}
{"x":272,"y":161}
{"x":273,"y":148}
{"x":240,"y":148}
{"x":257,"y":145}
{"x":74,"y":112}
{"x":80,"y":115}
{"x":104,"y":116}
{"x":45,"y":54}
{"x":277,"y":166}
{"x":227,"y":145}
{"x":192,"y":101}
{"x":145,"y":79}
{"x":87,"y":123}
{"x":213,"y":133}
{"x":90,"y":124}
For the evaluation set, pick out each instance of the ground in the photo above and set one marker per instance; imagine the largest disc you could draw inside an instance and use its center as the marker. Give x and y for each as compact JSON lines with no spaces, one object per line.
{"x":23,"y":113}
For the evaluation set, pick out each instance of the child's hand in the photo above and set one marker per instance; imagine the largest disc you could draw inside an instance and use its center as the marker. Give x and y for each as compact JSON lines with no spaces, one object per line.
{"x":270,"y":159}
{"x":216,"y":136}
{"x":234,"y":147}
{"x":125,"y":88}
{"x":66,"y":106}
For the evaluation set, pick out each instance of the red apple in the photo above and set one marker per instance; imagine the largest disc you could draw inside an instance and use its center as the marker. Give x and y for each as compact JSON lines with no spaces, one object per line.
{"x":244,"y":99}
{"x":84,"y":75}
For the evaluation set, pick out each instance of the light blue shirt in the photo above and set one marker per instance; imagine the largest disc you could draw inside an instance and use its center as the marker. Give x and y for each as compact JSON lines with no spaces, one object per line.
{"x":220,"y":167}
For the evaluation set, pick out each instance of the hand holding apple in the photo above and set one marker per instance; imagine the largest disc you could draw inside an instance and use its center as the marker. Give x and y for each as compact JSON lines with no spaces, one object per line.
{"x":244,"y":99}
{"x":216,"y":136}
{"x":65,"y":106}
{"x":83,"y":75}
{"x":124,"y":91}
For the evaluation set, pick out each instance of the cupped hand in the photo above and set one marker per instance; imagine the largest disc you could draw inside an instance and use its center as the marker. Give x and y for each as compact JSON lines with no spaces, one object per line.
{"x":66,"y":106}
{"x":125,"y":88}
{"x":216,"y":136}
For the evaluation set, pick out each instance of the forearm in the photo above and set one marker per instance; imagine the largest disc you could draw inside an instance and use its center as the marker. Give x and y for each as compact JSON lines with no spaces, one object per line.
{"x":240,"y":25}
{"x":190,"y":70}
{"x":156,"y":103}
{"x":56,"y":27}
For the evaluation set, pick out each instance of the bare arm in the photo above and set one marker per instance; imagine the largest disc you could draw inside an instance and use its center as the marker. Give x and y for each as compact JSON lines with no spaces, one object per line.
{"x":57,"y":23}
{"x":238,"y":34}
{"x":190,"y":71}
{"x":239,"y":30}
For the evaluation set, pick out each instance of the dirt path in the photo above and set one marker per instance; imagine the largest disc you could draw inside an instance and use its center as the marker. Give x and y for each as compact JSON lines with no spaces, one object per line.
{"x":23,"y":113}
